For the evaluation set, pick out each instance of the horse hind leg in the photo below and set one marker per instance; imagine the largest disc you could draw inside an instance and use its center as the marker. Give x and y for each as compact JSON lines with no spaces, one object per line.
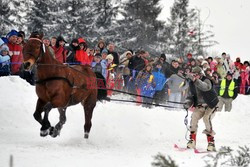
{"x":89,"y":105}
{"x":46,"y":127}
{"x":62,"y":119}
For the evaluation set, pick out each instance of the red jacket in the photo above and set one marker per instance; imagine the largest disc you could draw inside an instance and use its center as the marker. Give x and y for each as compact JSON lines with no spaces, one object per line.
{"x":16,"y":58}
{"x":82,"y":57}
{"x":60,"y":54}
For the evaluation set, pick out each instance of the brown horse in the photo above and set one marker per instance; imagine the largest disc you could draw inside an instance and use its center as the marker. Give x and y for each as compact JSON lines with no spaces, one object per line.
{"x":60,"y":86}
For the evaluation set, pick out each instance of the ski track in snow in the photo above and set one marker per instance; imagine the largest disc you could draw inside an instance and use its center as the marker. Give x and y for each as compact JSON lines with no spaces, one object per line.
{"x":122,"y":134}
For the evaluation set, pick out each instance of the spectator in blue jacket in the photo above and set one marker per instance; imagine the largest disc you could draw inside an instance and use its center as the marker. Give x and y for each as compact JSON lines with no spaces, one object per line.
{"x":4,"y":60}
{"x":99,"y":65}
{"x":160,"y":80}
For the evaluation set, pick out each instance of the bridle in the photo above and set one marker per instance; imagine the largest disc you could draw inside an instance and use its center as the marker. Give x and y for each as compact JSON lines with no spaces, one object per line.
{"x":42,"y":50}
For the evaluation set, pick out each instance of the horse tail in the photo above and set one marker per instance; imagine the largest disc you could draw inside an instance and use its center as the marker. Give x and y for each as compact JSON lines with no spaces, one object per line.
{"x":101,"y":85}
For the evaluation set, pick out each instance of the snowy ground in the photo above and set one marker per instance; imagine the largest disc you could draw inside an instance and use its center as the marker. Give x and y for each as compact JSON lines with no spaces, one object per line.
{"x":122,"y":135}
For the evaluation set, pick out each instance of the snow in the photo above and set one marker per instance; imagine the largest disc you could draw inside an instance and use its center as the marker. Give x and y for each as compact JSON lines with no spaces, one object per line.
{"x":122,"y":135}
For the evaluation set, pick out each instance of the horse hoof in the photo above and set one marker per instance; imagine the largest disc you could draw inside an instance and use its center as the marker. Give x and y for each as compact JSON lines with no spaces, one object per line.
{"x":44,"y":133}
{"x":54,"y":132}
{"x":86,"y":135}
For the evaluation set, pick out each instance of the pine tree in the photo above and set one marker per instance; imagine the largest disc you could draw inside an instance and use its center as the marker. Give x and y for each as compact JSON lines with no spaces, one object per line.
{"x":5,"y":13}
{"x":38,"y":15}
{"x":139,"y":27}
{"x":200,"y":34}
{"x":179,"y":28}
{"x":19,"y":13}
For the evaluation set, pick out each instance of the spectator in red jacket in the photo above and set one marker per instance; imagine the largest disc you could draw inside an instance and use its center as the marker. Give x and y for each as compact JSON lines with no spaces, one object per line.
{"x":60,"y":51}
{"x":81,"y":54}
{"x":15,"y":52}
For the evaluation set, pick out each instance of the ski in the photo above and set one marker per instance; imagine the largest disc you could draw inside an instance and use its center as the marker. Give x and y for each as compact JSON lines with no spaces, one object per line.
{"x":196,"y":151}
{"x":180,"y":148}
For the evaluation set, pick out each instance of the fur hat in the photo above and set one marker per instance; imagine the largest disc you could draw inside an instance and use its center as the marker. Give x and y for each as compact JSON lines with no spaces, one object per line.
{"x":197,"y":69}
{"x":204,"y":62}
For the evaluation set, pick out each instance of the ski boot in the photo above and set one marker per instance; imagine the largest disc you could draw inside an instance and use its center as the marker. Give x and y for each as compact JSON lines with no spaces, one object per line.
{"x":192,"y":142}
{"x":211,"y":145}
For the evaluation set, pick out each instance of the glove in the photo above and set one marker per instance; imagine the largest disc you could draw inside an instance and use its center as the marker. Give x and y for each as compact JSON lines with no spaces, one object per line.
{"x":186,"y":106}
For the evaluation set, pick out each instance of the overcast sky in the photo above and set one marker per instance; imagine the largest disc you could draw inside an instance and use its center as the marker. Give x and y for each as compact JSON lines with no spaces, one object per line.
{"x":231,"y":21}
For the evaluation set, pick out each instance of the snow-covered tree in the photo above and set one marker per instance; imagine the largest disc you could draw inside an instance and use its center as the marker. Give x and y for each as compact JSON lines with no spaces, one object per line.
{"x":179,"y":40}
{"x":38,"y":15}
{"x":5,"y":13}
{"x":139,"y":26}
{"x":200,"y":34}
{"x":19,"y":10}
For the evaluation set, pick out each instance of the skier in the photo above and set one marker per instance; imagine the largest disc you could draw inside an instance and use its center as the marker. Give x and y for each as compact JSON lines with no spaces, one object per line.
{"x":204,"y":99}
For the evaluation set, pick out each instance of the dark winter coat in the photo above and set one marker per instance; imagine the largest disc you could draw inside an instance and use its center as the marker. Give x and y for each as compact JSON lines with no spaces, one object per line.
{"x":135,"y":65}
{"x":171,"y":70}
{"x":116,"y":57}
{"x":202,"y":92}
{"x":71,"y":54}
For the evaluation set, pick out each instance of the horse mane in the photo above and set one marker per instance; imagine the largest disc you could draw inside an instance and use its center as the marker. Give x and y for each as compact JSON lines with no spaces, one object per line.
{"x":36,"y":34}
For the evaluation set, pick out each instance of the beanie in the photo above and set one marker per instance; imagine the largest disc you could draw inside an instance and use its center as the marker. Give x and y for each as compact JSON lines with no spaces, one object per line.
{"x":11,"y":33}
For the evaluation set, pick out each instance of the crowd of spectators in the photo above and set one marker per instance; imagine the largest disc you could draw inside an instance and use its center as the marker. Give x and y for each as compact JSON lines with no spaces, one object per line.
{"x":156,"y":76}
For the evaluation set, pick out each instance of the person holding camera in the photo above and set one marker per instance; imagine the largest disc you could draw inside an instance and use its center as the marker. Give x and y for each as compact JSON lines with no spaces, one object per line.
{"x":204,"y":99}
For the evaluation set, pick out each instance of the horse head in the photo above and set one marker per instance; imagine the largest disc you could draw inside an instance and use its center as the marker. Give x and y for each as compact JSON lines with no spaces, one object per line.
{"x":32,"y":50}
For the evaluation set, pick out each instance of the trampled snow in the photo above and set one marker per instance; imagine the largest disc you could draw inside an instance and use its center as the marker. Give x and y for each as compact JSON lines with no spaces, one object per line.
{"x":122,"y":135}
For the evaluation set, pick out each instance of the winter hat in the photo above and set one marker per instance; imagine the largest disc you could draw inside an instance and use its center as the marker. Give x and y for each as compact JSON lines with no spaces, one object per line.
{"x":4,"y":48}
{"x":110,"y":56}
{"x":128,"y":52}
{"x":98,"y":55}
{"x":81,"y":40}
{"x":204,"y":62}
{"x":60,"y":38}
{"x":11,"y":33}
{"x":197,"y":69}
{"x":230,"y":73}
{"x":105,"y":51}
{"x":74,"y":40}
{"x":163,"y":56}
{"x":200,"y":58}
{"x":189,"y":54}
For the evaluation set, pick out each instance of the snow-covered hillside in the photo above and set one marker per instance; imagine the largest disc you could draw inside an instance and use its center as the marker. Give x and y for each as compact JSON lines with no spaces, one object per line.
{"x":122,"y":135}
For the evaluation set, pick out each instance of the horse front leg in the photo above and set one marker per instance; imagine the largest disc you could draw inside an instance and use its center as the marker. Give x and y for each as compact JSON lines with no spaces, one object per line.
{"x":39,"y":109}
{"x":62,"y":119}
{"x":46,"y":127}
{"x":89,"y":106}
